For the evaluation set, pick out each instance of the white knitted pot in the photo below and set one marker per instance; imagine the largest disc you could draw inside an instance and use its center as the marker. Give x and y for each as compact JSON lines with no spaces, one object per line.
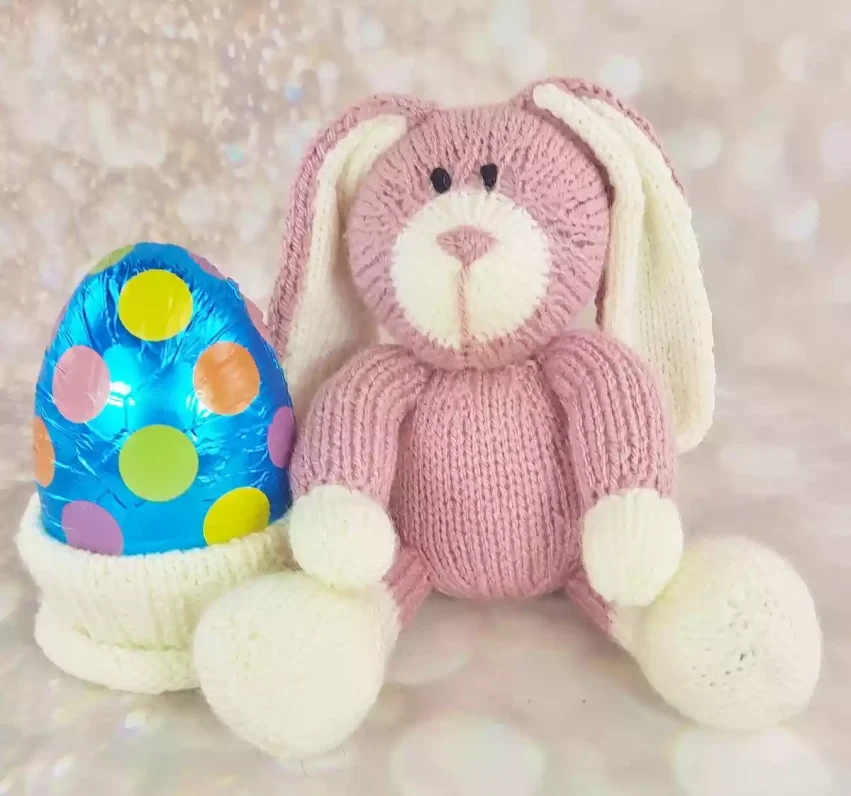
{"x":126,"y":622}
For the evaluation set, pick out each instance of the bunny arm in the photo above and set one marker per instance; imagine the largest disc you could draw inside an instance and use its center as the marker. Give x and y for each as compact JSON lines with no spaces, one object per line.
{"x":343,"y":468}
{"x":622,"y":456}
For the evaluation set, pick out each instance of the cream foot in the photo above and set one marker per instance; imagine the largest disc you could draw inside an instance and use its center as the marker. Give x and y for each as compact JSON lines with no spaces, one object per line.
{"x":293,"y":666}
{"x":733,"y":641}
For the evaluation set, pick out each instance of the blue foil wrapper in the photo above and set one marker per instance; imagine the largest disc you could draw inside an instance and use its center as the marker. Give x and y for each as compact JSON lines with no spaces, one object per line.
{"x":162,"y":416}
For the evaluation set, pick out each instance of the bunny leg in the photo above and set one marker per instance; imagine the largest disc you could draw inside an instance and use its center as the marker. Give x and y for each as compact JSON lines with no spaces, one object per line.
{"x":733,"y":641}
{"x":294,"y":666}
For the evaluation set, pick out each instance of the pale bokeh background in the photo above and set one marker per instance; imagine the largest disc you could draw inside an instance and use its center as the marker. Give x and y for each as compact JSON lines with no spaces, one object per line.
{"x":123,"y":120}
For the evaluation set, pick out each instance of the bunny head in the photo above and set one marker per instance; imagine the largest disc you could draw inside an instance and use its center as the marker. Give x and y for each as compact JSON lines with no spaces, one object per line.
{"x":475,"y":236}
{"x":479,"y":236}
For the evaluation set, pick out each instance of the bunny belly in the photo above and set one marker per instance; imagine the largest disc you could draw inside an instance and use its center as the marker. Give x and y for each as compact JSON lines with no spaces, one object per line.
{"x":480,"y":490}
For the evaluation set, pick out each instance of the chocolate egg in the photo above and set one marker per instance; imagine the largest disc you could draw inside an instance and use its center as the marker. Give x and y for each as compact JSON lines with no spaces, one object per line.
{"x":162,"y":416}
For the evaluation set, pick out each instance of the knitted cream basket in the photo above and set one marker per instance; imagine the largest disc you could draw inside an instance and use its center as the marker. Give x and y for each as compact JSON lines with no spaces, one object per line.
{"x":126,"y":622}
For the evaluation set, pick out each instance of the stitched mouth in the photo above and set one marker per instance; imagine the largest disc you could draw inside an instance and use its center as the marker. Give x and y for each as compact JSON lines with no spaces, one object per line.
{"x":463,"y":311}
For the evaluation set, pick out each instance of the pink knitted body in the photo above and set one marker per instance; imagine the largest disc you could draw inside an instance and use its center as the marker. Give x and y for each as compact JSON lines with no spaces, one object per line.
{"x":488,"y":429}
{"x":481,"y":490}
{"x":486,"y":473}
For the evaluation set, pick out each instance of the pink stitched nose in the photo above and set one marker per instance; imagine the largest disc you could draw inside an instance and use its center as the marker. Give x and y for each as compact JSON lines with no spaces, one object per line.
{"x":467,"y":243}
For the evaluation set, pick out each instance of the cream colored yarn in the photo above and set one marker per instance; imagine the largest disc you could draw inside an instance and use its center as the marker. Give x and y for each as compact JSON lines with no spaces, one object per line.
{"x":336,"y":327}
{"x":654,"y":299}
{"x":294,"y":666}
{"x":733,"y":641}
{"x":342,"y":537}
{"x":631,"y":546}
{"x":126,"y":622}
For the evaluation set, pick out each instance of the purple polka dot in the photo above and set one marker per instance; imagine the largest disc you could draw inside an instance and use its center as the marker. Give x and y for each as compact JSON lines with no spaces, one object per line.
{"x":281,"y":437}
{"x":256,"y":315}
{"x":207,"y":267}
{"x":80,"y":384}
{"x":87,"y":526}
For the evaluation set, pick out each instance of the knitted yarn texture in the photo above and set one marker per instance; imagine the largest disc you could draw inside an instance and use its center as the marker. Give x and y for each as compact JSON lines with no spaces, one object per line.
{"x":127,"y":622}
{"x":460,"y":435}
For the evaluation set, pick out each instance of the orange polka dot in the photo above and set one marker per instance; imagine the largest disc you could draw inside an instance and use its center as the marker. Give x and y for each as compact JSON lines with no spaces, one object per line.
{"x":226,"y":378}
{"x":42,"y":452}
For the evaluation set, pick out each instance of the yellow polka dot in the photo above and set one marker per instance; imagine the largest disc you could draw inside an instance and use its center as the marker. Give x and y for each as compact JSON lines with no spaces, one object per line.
{"x":111,"y":259}
{"x":155,"y":305}
{"x":158,"y":463}
{"x":236,"y":513}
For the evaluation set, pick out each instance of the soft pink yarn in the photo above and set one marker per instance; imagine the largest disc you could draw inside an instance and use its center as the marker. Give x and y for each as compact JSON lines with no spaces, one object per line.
{"x":487,"y":502}
{"x":486,"y":457}
{"x":542,"y":171}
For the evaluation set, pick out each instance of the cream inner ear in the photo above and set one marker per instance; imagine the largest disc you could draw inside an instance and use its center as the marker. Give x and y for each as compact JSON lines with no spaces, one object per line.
{"x":331,"y":324}
{"x":654,"y":296}
{"x":492,"y":297}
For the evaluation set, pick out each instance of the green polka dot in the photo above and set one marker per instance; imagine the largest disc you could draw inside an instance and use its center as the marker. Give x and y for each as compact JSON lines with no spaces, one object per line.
{"x":111,"y":259}
{"x":158,"y":463}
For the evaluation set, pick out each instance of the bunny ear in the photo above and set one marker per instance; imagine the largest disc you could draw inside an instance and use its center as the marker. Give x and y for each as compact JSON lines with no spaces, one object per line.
{"x":315,"y":318}
{"x":653,"y":296}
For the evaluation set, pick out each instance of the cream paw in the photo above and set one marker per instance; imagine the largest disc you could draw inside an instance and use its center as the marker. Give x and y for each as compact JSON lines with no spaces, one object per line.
{"x":342,"y":537}
{"x":631,"y":546}
{"x":733,"y":641}
{"x":291,"y":665}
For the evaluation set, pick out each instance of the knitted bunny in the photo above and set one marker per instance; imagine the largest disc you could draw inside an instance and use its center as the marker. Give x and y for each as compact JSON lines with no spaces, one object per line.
{"x":459,"y":434}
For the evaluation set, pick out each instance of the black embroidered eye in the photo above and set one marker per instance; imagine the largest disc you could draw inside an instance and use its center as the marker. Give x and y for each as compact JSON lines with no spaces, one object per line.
{"x":489,"y":172}
{"x":441,"y":180}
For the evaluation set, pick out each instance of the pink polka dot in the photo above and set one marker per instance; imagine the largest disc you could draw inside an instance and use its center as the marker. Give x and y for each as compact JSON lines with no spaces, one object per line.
{"x":256,"y":315}
{"x":87,"y":526}
{"x":206,"y":266}
{"x":80,"y":384}
{"x":281,"y":437}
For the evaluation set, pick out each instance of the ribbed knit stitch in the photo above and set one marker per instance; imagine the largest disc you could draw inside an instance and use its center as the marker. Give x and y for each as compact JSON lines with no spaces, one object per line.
{"x":487,"y":473}
{"x":352,"y":436}
{"x":480,"y":490}
{"x":619,"y":436}
{"x":409,"y":583}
